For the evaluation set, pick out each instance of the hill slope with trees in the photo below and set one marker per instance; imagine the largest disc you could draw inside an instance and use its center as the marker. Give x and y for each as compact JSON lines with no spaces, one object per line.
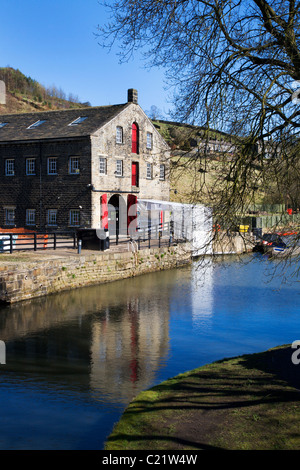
{"x":24,"y":94}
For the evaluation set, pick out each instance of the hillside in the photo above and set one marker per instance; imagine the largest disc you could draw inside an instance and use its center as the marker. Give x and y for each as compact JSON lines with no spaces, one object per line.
{"x":24,"y":94}
{"x":186,"y":137}
{"x":200,"y":157}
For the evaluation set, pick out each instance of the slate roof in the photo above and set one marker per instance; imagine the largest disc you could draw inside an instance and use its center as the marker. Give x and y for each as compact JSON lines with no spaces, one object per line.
{"x":56,"y":125}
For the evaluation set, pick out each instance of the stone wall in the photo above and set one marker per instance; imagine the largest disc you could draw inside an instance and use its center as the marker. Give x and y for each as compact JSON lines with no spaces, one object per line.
{"x":236,"y":244}
{"x":22,"y":280}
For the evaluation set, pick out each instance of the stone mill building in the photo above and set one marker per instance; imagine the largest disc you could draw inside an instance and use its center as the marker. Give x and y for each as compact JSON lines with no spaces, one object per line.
{"x":79,"y":168}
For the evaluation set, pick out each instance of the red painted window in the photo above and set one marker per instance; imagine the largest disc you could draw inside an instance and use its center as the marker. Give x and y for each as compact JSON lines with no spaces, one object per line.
{"x":135,"y":174}
{"x":135,"y":138}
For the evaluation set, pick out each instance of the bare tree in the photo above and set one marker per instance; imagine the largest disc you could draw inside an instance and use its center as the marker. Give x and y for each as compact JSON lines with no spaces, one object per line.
{"x":154,"y":113}
{"x":233,"y":66}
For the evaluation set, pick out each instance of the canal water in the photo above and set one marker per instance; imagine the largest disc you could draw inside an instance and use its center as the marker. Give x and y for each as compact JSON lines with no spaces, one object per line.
{"x":74,"y":360}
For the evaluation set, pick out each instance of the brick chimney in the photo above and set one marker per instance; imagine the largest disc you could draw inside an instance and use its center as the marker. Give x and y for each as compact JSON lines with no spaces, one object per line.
{"x":132,"y":96}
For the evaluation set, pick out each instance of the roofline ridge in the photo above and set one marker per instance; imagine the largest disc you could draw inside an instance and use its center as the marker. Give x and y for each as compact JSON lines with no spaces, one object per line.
{"x":49,"y":111}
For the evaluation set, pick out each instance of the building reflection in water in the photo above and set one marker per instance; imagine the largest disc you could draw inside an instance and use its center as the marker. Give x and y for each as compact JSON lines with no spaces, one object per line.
{"x":110,"y":340}
{"x":127,"y":352}
{"x":202,"y":293}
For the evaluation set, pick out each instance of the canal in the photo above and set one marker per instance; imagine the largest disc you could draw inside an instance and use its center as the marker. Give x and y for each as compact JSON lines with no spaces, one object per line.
{"x":74,"y":360}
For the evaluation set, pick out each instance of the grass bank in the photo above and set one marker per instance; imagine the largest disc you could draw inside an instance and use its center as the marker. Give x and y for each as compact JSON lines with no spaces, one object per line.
{"x":249,"y":402}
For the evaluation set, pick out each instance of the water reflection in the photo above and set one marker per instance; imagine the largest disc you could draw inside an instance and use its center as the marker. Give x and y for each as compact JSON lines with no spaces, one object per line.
{"x":74,"y":360}
{"x":129,"y":347}
{"x":108,"y":339}
{"x":202,"y":293}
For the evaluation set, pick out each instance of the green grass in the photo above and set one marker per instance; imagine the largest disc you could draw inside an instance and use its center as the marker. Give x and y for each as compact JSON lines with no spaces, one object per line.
{"x":193,"y":186}
{"x":243,"y":403}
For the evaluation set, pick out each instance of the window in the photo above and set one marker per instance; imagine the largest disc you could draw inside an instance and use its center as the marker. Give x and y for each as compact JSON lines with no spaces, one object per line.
{"x":149,"y":171}
{"x":75,"y":217}
{"x":149,"y":140}
{"x":9,"y":216}
{"x":135,"y":174}
{"x":74,"y":166}
{"x":36,"y":124}
{"x":102,"y":166}
{"x":119,"y":168}
{"x":52,"y":166}
{"x":52,"y":216}
{"x":119,"y":135}
{"x":135,"y":138}
{"x":30,"y":166}
{"x":78,"y":121}
{"x":162,"y":172}
{"x":9,"y":167}
{"x":30,"y":216}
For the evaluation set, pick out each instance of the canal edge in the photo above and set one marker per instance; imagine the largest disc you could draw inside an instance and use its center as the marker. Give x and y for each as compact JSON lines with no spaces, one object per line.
{"x":31,"y":278}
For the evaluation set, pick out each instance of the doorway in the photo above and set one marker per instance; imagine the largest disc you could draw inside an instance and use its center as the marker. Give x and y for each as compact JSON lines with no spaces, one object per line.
{"x":117,"y":216}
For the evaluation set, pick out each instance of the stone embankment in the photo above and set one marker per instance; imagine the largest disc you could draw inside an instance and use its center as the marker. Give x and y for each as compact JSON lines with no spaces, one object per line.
{"x":27,"y":275}
{"x":233,"y":244}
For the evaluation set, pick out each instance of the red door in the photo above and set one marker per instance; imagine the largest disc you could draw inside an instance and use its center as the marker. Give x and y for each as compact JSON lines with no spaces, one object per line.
{"x":135,"y":138}
{"x":104,"y":211}
{"x":135,"y":174}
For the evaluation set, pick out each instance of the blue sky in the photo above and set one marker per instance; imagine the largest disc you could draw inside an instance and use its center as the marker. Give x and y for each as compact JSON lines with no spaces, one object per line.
{"x":54,"y":42}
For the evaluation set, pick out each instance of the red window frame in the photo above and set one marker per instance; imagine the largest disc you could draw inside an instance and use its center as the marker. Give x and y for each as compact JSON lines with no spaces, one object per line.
{"x":135,"y":174}
{"x":135,"y":138}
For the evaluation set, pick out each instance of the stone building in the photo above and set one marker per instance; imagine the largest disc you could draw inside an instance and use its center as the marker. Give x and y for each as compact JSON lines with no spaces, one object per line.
{"x":79,"y":167}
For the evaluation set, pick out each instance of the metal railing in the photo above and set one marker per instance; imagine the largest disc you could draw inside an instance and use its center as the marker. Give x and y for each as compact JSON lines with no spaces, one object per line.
{"x":154,"y":235}
{"x":33,"y":241}
{"x":145,"y":237}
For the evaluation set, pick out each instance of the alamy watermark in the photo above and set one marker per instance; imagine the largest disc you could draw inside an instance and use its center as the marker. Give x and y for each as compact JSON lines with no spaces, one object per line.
{"x":296,"y":94}
{"x":296,"y":354}
{"x":128,"y":222}
{"x":2,"y":352}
